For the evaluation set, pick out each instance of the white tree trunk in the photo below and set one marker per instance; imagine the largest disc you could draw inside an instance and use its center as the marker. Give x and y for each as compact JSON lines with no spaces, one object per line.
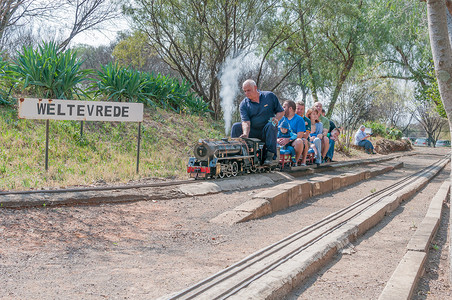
{"x":441,"y":50}
{"x":449,"y":24}
{"x":442,"y":58}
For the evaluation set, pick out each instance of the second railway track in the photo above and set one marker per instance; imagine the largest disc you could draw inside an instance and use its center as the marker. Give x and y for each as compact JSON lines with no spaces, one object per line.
{"x":251,"y":276}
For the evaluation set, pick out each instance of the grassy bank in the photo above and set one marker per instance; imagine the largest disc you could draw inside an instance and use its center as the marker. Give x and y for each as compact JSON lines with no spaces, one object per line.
{"x":106,"y":152}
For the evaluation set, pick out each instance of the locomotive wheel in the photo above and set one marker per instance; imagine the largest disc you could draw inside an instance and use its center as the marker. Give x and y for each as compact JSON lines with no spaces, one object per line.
{"x":223,"y":171}
{"x":234,"y":169}
{"x":253,"y":169}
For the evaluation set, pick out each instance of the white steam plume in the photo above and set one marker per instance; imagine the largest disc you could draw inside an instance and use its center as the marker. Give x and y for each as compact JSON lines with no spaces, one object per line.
{"x":229,"y":77}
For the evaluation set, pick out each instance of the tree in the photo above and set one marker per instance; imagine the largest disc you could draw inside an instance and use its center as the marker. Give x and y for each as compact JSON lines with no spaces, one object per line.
{"x":94,"y":57}
{"x":134,"y":50}
{"x":354,"y":106}
{"x":15,"y":14}
{"x":76,"y":15}
{"x":442,"y":51}
{"x":210,"y":32}
{"x":331,"y":41}
{"x":427,"y":115}
{"x":402,"y":43}
{"x":87,"y":15}
{"x":390,"y":105}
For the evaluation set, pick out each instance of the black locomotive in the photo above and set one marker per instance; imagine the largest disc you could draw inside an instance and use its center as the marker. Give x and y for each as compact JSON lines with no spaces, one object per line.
{"x":227,"y":157}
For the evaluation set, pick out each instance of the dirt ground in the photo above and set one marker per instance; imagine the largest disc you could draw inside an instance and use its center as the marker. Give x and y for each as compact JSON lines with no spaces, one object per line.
{"x":148,"y":249}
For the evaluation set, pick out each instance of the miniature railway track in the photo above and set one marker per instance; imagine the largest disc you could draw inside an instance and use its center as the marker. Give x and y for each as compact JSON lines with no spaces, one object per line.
{"x":148,"y":185}
{"x":237,"y":277}
{"x":99,"y":188}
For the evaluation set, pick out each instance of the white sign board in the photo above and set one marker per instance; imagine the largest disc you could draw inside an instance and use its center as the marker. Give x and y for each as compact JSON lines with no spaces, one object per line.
{"x":49,"y":109}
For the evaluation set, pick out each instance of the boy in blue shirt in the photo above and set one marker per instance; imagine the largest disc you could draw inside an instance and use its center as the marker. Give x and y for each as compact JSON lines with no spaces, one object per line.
{"x":297,"y":126}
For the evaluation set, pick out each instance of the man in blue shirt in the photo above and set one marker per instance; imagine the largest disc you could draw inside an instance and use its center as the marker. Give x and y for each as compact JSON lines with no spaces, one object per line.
{"x":300,"y":108}
{"x":297,"y":126}
{"x":260,"y":112}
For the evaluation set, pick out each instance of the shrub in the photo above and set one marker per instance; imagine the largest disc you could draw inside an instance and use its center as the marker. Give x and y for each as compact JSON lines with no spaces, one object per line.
{"x":381,"y":130}
{"x":6,"y":84}
{"x":121,"y":84}
{"x":125,"y":84}
{"x":49,"y":72}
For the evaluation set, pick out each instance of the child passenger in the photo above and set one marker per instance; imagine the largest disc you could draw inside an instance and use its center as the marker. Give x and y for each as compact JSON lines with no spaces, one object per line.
{"x":316,"y":135}
{"x":285,"y":132}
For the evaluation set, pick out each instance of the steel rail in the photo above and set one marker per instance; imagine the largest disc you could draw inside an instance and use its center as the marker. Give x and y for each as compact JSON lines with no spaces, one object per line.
{"x":124,"y":187}
{"x":278,"y":246}
{"x":309,"y":243}
{"x":101,"y":188}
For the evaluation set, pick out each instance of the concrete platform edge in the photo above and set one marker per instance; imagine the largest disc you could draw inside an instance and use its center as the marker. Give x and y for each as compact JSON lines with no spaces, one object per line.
{"x":274,"y":287}
{"x":406,"y":276}
{"x":291,"y":193}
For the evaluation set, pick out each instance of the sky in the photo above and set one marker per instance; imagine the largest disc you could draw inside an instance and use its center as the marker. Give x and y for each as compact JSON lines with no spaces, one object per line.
{"x":101,"y":37}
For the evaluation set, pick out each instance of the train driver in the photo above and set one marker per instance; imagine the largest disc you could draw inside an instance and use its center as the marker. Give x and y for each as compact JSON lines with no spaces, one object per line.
{"x":260,"y":112}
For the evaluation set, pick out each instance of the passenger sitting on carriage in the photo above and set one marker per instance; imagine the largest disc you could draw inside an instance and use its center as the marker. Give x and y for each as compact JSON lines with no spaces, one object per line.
{"x":316,"y":135}
{"x":285,"y":132}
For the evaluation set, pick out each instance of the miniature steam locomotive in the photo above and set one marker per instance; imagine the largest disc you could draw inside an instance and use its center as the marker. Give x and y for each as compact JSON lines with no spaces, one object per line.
{"x":227,"y":157}
{"x":230,"y":157}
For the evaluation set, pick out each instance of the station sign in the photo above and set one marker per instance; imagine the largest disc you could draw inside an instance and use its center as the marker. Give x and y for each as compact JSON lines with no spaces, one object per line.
{"x":53,"y":109}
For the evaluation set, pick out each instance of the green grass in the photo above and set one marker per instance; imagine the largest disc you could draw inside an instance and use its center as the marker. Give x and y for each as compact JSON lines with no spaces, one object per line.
{"x":107,"y":150}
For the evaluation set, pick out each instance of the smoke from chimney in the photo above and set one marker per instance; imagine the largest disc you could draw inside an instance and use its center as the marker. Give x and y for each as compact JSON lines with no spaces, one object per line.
{"x":229,"y":76}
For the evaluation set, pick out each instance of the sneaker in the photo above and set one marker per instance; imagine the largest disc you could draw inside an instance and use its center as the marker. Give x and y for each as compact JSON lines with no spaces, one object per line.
{"x":303,"y":165}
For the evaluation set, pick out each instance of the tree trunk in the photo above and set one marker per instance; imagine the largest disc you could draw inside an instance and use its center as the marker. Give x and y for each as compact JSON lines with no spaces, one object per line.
{"x":442,"y":58}
{"x":344,"y":74}
{"x":441,"y":50}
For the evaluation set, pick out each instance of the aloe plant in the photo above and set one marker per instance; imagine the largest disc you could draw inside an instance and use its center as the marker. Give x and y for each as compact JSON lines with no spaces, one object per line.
{"x":125,"y":84}
{"x":51,"y":73}
{"x":122,"y":84}
{"x":6,"y":84}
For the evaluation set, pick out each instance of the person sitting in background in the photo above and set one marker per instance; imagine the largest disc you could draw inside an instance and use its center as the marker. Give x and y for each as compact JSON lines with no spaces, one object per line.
{"x":361,"y":140}
{"x":285,"y":132}
{"x":316,"y":134}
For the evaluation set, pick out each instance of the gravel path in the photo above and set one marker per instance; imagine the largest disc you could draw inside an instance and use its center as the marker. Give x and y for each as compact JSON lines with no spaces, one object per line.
{"x":144,"y":250}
